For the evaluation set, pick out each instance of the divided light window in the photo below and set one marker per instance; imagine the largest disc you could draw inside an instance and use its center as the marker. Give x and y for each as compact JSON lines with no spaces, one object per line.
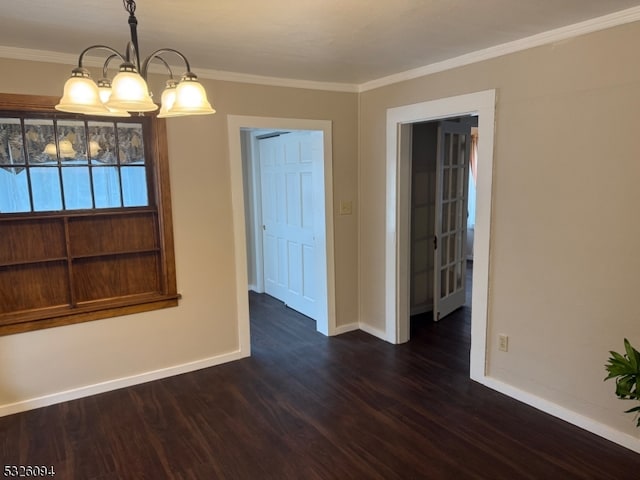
{"x":85,"y":225}
{"x":97,"y":165}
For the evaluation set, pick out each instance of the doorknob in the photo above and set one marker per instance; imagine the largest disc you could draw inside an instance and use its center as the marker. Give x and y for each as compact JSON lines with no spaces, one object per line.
{"x":435,"y":242}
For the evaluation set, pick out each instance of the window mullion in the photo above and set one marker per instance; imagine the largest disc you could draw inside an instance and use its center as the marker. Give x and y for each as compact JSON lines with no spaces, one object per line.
{"x":59,"y":163}
{"x":89,"y":163}
{"x":27,"y":162}
{"x":117,"y":140}
{"x":70,"y":274}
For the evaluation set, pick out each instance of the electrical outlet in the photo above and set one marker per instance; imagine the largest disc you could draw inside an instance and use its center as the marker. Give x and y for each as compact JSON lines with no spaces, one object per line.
{"x":503,"y":342}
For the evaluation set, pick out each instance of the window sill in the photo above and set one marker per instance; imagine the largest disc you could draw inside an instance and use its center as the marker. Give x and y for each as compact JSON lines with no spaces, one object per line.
{"x":87,"y":311}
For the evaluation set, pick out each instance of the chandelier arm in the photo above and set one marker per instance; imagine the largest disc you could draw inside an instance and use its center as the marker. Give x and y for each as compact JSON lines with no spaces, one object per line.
{"x":158,"y":57}
{"x":106,"y":65}
{"x":101,"y":47}
{"x":145,"y":64}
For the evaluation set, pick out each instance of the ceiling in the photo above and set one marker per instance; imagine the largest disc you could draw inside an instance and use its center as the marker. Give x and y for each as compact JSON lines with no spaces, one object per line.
{"x":342,"y":41}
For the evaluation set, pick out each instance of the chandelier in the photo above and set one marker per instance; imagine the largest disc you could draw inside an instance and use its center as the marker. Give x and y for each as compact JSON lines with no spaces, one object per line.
{"x":128,"y":92}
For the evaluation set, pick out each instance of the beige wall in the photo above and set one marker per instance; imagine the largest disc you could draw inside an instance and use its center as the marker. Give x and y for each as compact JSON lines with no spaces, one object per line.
{"x":563,"y":269}
{"x":205,"y":323}
{"x":563,"y":266}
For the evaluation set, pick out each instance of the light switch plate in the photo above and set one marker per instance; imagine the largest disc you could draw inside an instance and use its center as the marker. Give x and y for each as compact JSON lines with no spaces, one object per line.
{"x":345,"y":207}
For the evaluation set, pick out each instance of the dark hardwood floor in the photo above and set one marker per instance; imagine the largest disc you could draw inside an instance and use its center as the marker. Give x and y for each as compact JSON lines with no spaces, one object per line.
{"x":309,"y":407}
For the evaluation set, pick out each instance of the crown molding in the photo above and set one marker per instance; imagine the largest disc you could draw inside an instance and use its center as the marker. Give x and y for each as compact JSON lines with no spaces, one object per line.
{"x":17,"y":53}
{"x":563,"y":33}
{"x":276,"y":81}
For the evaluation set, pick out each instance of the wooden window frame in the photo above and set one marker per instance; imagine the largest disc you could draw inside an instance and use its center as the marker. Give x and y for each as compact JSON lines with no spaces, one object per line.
{"x":158,"y":220}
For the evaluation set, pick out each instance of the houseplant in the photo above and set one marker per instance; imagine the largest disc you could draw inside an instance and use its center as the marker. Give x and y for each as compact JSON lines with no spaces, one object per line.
{"x":626,"y":370}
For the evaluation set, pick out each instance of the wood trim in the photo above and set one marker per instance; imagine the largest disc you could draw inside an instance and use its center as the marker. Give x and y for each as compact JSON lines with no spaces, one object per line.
{"x":27,"y":313}
{"x":163,"y":200}
{"x":77,"y":214}
{"x":28,"y":103}
{"x":113,"y":254}
{"x":80,"y":314}
{"x":70,"y":276}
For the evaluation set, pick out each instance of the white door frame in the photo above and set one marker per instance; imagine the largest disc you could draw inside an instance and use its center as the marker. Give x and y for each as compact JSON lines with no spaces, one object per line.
{"x":397,"y":241}
{"x":323,"y":212}
{"x":250,"y":149}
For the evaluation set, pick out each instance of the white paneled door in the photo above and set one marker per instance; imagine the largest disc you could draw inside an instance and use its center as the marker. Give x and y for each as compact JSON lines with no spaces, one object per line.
{"x":452,"y":172}
{"x":287,"y":163}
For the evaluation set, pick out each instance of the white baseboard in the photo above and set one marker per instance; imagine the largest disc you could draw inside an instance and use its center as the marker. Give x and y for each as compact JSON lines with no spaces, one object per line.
{"x":346,"y":328}
{"x":381,"y":334}
{"x":586,"y":423}
{"x":85,"y":391}
{"x":421,"y":309}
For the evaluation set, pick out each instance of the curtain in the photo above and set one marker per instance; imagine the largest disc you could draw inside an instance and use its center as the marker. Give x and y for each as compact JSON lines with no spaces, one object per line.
{"x":473,"y":161}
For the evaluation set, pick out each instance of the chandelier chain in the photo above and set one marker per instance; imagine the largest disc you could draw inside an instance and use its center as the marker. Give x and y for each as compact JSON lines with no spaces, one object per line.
{"x":129,"y":6}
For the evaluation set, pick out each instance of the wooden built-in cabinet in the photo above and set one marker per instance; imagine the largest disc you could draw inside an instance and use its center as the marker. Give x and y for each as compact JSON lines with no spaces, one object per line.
{"x":60,"y":266}
{"x":70,"y":266}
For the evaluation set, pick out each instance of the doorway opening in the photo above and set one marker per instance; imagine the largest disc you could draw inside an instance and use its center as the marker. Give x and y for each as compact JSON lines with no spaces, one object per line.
{"x":397,"y":244}
{"x":280,"y":194}
{"x":296,"y":200}
{"x":442,"y":217}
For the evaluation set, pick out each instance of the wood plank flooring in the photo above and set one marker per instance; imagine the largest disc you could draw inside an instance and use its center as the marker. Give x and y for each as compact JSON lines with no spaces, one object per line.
{"x":309,"y":407}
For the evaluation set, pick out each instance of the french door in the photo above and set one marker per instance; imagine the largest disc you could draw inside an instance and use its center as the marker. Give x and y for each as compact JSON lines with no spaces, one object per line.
{"x":452,"y":174}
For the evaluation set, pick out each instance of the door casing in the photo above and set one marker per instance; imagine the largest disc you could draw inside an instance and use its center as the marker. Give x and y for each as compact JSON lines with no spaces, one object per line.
{"x":397,"y":241}
{"x":326,"y":321}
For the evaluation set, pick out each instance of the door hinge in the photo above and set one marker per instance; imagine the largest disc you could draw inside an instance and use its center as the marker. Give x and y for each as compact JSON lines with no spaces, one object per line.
{"x":435,"y":242}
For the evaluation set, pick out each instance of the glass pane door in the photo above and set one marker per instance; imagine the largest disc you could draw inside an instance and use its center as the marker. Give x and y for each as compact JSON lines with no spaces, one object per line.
{"x":451,"y":218}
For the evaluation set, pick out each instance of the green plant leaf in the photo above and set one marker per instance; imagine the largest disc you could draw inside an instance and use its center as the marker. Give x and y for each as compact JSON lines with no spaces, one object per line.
{"x":626,"y":371}
{"x":622,"y":389}
{"x":618,"y":362}
{"x":631,"y":355}
{"x":616,"y":358}
{"x":617,"y":368}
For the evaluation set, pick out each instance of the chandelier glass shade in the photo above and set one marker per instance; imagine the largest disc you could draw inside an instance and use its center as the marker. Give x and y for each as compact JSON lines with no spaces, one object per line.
{"x":128,"y":91}
{"x":168,"y":99}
